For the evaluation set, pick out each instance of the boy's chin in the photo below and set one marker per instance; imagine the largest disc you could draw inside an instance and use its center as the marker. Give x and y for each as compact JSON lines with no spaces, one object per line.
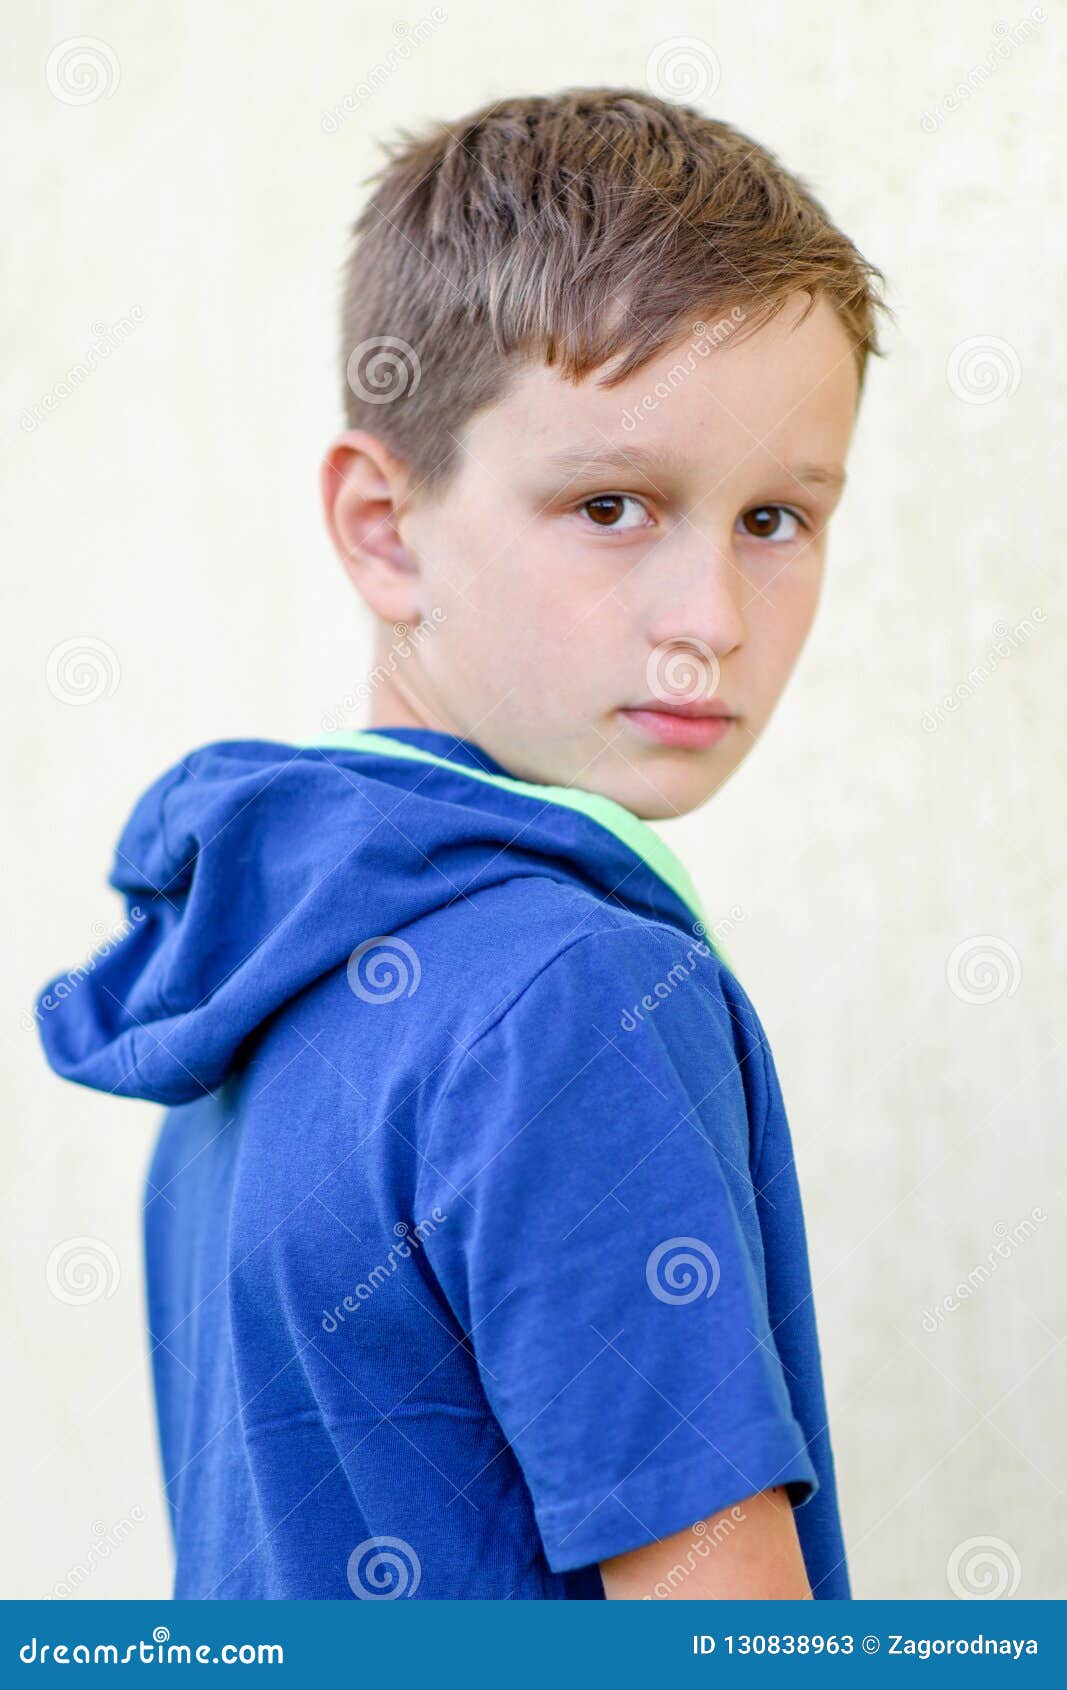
{"x":654,"y":787}
{"x":665,"y":808}
{"x":660,"y":793}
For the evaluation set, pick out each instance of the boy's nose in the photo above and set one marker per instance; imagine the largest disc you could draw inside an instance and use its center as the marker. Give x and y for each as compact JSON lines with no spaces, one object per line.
{"x":702,"y":601}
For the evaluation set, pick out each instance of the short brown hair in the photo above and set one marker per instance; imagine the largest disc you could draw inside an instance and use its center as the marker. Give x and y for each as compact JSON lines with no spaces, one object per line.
{"x":568,"y":229}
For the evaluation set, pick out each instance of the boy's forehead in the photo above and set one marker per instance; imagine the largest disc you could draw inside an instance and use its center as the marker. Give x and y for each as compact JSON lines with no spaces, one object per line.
{"x":787,"y":386}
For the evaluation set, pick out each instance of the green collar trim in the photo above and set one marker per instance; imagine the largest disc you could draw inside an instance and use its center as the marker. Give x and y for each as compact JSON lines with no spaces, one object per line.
{"x":634,"y":833}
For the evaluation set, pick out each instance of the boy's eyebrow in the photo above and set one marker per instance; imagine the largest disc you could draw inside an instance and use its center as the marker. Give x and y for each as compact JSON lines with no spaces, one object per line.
{"x":606,"y":456}
{"x":659,"y":459}
{"x":823,"y":475}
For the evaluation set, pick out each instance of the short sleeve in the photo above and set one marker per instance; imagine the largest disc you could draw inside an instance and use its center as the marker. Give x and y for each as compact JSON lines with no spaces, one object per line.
{"x":602,"y":1248}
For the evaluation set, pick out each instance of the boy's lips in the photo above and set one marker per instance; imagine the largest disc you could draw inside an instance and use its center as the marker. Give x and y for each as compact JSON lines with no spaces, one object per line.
{"x":694,"y":726}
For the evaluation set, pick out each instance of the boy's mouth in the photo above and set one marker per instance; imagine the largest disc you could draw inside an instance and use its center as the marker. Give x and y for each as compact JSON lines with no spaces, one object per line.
{"x":693,"y":726}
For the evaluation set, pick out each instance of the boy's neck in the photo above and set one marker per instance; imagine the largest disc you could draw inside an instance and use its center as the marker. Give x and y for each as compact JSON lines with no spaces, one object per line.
{"x":392,"y":706}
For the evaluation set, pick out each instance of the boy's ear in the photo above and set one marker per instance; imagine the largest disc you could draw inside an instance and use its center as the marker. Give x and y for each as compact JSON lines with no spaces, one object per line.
{"x":362,"y":486}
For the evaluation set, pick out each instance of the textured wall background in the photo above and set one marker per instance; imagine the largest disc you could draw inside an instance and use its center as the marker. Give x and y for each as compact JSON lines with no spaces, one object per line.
{"x":177,"y":198}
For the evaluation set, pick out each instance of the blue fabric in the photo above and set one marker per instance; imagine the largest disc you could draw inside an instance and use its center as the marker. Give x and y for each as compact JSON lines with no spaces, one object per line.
{"x":474,"y":1248}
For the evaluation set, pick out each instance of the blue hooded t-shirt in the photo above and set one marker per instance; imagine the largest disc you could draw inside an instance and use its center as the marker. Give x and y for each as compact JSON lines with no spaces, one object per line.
{"x":474,"y":1249}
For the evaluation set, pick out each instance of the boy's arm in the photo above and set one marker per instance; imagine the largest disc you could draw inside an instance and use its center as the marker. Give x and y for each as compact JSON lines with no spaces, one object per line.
{"x":750,"y":1552}
{"x":602,"y":1249}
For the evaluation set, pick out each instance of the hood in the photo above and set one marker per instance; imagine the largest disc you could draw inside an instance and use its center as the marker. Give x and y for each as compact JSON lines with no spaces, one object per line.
{"x":252,"y":868}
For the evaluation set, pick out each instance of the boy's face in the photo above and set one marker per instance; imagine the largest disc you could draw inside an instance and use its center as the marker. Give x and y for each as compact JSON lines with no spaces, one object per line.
{"x":608,"y":568}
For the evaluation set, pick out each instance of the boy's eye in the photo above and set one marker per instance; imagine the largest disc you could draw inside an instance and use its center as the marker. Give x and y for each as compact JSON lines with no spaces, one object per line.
{"x":776,"y":523}
{"x":606,"y":507}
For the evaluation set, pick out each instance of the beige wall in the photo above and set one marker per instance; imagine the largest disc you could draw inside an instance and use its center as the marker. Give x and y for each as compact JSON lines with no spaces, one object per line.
{"x":904,"y":911}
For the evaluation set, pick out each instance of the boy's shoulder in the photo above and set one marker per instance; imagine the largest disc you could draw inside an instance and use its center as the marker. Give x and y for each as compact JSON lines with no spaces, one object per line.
{"x":531,"y":935}
{"x":572,"y":1002}
{"x":527,"y":922}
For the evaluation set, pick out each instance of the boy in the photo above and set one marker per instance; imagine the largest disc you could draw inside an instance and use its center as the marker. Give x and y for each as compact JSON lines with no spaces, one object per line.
{"x":476,"y":1261}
